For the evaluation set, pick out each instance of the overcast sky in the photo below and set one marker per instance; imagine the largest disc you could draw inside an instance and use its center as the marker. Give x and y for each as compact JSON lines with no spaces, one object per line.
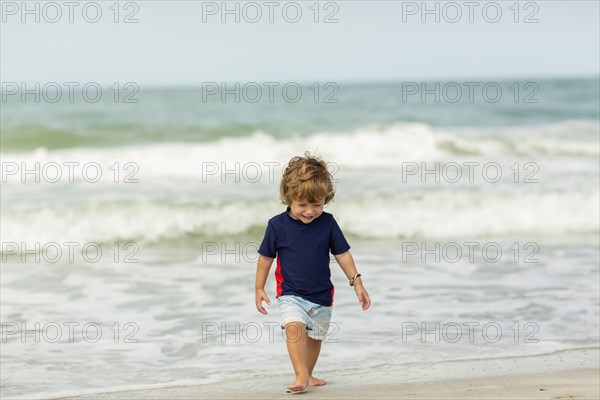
{"x":171,"y":44}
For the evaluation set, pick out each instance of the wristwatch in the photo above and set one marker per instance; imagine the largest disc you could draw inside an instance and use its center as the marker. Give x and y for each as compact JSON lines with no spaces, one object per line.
{"x":353,"y":279}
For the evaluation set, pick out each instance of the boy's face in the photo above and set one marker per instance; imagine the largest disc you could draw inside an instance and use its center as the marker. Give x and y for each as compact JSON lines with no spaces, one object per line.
{"x":305,"y":211}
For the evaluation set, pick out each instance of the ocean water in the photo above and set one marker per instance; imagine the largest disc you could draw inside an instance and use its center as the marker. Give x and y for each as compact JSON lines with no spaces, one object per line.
{"x":129,"y":231}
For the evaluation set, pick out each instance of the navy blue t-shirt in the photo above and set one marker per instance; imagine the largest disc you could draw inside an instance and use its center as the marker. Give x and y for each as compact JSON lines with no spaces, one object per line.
{"x":302,"y":252}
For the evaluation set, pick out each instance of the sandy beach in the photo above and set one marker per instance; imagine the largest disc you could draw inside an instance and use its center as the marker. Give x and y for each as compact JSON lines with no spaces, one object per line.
{"x":500,"y":378}
{"x":577,"y":384}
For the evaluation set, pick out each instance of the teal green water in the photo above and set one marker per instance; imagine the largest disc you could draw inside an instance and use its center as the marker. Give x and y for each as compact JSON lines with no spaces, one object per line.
{"x":181,"y":115}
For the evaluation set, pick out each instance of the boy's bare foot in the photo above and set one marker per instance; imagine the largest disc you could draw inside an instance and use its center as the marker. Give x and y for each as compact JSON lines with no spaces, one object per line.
{"x":299,"y":384}
{"x":312,"y":381}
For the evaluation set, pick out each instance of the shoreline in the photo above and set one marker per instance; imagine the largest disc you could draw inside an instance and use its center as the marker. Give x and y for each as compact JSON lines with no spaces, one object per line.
{"x":558,"y":375}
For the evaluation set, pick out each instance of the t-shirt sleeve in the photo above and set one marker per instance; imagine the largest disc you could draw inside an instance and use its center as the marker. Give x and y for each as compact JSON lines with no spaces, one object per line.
{"x":267,"y":247}
{"x":337,"y":241}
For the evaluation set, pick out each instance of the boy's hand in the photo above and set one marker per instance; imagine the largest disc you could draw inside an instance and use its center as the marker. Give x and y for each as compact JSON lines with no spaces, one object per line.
{"x":260,"y":296}
{"x":363,"y":296}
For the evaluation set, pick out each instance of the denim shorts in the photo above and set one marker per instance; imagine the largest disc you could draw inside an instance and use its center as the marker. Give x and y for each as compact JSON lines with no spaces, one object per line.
{"x":297,"y":309}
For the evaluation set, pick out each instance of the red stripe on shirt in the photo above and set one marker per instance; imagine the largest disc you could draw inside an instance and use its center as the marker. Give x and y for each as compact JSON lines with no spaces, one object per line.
{"x":279,"y":279}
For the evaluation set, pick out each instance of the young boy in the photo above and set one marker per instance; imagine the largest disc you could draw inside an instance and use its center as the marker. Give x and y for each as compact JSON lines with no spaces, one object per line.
{"x":301,"y":239}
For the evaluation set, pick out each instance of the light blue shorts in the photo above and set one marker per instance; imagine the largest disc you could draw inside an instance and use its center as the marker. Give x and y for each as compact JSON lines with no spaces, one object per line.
{"x":297,"y":309}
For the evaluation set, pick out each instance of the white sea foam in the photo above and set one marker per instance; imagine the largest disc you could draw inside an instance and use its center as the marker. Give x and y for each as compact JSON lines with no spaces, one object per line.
{"x":442,"y":214}
{"x":376,"y":147}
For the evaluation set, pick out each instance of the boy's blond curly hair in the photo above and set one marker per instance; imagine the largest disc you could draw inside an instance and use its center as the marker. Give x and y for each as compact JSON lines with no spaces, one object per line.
{"x":306,"y":179}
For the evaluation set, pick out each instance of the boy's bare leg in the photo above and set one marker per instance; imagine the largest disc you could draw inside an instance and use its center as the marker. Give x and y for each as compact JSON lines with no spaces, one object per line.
{"x":296,"y":339}
{"x":312,"y":355}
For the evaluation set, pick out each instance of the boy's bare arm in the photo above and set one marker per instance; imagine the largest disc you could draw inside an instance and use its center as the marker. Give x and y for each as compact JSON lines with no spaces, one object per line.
{"x":346,"y":261}
{"x":263,"y":266}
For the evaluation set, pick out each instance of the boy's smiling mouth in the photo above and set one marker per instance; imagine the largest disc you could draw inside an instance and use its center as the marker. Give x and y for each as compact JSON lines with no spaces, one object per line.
{"x":304,"y":218}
